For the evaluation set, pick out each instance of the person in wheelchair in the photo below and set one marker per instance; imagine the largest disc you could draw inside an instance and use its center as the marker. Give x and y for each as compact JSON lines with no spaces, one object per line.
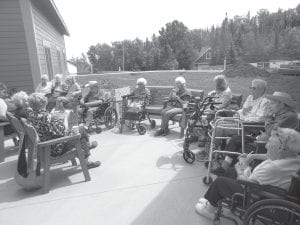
{"x":91,"y":100}
{"x":50,"y":127}
{"x":178,"y":96}
{"x":280,"y":163}
{"x":281,"y":113}
{"x":140,"y":96}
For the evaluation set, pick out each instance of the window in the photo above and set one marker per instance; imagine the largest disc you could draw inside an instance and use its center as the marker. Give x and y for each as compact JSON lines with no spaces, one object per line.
{"x":49,"y":62}
{"x":59,"y":61}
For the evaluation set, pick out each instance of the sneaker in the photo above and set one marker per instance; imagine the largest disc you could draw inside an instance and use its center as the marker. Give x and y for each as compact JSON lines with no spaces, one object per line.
{"x":92,"y":165}
{"x":159,"y":132}
{"x":166,"y":132}
{"x":202,"y":200}
{"x":93,"y":144}
{"x":220,"y":171}
{"x":202,"y":210}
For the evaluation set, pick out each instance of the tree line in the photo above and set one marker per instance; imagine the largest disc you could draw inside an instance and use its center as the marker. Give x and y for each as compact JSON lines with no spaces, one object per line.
{"x":261,"y":37}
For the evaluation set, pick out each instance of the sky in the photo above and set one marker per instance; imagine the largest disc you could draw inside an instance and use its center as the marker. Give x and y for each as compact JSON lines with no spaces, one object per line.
{"x":104,"y":21}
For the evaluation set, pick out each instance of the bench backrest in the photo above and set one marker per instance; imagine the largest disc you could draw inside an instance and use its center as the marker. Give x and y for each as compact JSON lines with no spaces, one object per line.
{"x":160,"y":93}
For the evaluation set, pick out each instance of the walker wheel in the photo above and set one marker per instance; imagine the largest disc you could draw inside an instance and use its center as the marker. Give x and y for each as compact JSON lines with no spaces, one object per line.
{"x":208,"y":180}
{"x":153,"y":124}
{"x":189,"y":156}
{"x":142,"y":130}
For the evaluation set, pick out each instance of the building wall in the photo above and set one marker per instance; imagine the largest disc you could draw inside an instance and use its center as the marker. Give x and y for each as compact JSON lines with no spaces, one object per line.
{"x":15,"y":70}
{"x":47,"y":36}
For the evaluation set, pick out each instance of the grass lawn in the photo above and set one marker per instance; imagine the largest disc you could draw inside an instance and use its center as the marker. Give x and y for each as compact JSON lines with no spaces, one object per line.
{"x":199,"y":80}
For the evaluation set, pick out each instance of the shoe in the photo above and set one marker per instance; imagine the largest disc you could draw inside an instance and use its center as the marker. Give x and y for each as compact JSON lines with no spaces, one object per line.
{"x":218,"y":171}
{"x":202,"y":200}
{"x":92,"y":165}
{"x":202,"y":210}
{"x":159,"y":132}
{"x":93,"y":144}
{"x":166,"y":132}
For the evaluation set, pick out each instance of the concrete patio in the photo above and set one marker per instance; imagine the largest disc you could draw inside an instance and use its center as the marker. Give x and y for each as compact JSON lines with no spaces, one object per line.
{"x":143,"y":180}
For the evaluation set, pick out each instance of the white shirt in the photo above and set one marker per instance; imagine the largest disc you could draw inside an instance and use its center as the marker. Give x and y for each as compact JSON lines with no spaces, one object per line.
{"x":276,"y":173}
{"x":258,"y":109}
{"x":3,"y":108}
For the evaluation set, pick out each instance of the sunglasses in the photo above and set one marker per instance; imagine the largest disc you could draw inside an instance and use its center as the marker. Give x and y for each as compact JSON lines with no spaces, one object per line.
{"x":252,"y":88}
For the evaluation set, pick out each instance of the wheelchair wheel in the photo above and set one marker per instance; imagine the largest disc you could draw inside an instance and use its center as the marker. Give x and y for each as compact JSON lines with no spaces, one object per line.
{"x":111,"y":117}
{"x":273,"y":211}
{"x":141,"y":129}
{"x":207,"y":180}
{"x":189,"y":156}
{"x":153,"y":124}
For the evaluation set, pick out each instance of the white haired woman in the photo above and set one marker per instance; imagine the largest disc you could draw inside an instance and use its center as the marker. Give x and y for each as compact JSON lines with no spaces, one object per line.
{"x":20,"y":99}
{"x":222,"y":91}
{"x":49,"y":127}
{"x":281,"y":163}
{"x":73,"y":91}
{"x":178,"y":96}
{"x":141,"y":94}
{"x":45,"y":86}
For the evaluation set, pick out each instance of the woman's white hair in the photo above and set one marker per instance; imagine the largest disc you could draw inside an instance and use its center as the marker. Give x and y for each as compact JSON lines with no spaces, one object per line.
{"x":141,"y":81}
{"x":290,"y":138}
{"x":180,"y":80}
{"x":45,"y":77}
{"x":19,"y":97}
{"x":58,"y":76}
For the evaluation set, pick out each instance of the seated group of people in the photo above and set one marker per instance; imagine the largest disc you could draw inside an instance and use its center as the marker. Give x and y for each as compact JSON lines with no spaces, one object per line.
{"x":48,"y":122}
{"x":276,"y":111}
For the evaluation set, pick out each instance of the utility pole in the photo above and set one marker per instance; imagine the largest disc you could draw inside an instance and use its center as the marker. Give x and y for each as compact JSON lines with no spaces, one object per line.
{"x":123,"y":52}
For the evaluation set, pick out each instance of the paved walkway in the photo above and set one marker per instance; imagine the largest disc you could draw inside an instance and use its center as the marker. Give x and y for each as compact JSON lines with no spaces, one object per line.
{"x":142,"y":181}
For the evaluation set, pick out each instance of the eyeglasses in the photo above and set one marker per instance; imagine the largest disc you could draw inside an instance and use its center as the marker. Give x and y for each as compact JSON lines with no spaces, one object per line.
{"x":252,"y":88}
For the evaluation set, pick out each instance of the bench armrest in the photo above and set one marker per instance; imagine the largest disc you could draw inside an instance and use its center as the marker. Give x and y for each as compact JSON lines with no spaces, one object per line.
{"x":59,"y":140}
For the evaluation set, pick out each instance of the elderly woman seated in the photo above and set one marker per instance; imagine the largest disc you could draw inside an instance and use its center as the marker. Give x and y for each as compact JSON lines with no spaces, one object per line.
{"x":140,"y":95}
{"x":281,"y":163}
{"x":45,"y":86}
{"x":281,"y":113}
{"x":49,"y":127}
{"x":20,"y":99}
{"x":73,"y":91}
{"x":57,"y":90}
{"x":222,"y":92}
{"x":178,"y":96}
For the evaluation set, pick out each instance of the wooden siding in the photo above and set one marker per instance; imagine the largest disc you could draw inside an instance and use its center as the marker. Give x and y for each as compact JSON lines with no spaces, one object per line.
{"x":45,"y":31}
{"x":15,"y":70}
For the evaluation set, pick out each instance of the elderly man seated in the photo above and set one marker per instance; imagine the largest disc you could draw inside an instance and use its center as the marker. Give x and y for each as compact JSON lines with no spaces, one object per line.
{"x":91,"y":99}
{"x":73,"y":91}
{"x":280,"y":113}
{"x":178,"y":96}
{"x":281,"y":163}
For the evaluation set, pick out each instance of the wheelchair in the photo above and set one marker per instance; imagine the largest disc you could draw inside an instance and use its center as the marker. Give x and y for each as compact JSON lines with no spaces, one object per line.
{"x":135,"y":115}
{"x":199,"y":121}
{"x":104,"y":114}
{"x":262,"y":204}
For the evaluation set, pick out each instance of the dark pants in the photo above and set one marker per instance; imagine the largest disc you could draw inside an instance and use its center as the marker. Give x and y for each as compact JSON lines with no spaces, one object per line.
{"x":222,"y":187}
{"x":167,"y":114}
{"x":235,"y":145}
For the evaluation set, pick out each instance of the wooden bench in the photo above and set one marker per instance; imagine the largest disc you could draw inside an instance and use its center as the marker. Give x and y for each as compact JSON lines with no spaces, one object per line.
{"x":159,"y":95}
